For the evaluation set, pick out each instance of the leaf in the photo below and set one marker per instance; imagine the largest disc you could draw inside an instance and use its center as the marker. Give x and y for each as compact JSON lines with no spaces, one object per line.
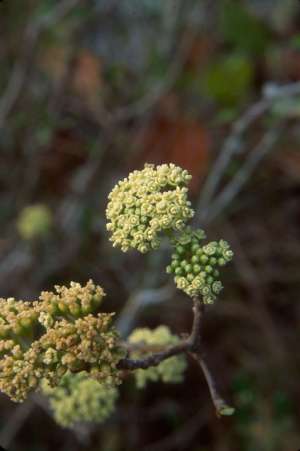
{"x":229,"y":79}
{"x":243,"y":30}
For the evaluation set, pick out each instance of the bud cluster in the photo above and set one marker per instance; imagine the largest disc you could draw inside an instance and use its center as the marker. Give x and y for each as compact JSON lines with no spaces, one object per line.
{"x":147,"y":341}
{"x":145,"y":204}
{"x":47,"y":338}
{"x":195,"y":266}
{"x":78,"y":398}
{"x":69,"y":302}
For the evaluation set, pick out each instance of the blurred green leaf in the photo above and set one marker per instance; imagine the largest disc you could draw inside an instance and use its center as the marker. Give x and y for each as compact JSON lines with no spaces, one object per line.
{"x":229,"y":80}
{"x":295,"y":42}
{"x":282,"y":405}
{"x":242,"y":30}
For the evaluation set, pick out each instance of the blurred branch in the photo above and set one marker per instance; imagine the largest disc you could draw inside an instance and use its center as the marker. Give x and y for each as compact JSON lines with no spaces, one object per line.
{"x":15,"y":422}
{"x":181,"y":437}
{"x":139,"y":301}
{"x":249,"y":276}
{"x":234,"y":144}
{"x":233,"y":188}
{"x":21,"y":69}
{"x":151,"y":98}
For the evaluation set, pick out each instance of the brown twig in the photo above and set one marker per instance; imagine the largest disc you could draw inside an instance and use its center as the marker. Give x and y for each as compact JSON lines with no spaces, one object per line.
{"x":191,"y":346}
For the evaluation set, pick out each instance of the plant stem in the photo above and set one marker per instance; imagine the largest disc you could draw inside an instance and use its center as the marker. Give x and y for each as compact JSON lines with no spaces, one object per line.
{"x":191,"y":346}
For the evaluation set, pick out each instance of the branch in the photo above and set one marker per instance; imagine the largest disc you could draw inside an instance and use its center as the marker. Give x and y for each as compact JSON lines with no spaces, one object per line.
{"x":184,"y":346}
{"x":234,"y":142}
{"x":22,"y":67}
{"x":191,"y":346}
{"x":232,"y":189}
{"x":153,"y":359}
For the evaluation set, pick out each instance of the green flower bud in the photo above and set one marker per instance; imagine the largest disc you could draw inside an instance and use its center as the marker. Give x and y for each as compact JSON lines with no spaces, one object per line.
{"x":208,"y":269}
{"x":174,"y":264}
{"x":204,"y":259}
{"x":179,"y":271}
{"x":194,"y":248}
{"x":188,"y":268}
{"x":196,"y":269}
{"x":180,"y":250}
{"x":169,"y":269}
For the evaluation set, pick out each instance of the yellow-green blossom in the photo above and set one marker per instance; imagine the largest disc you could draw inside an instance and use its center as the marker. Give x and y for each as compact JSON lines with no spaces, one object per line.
{"x":147,"y":203}
{"x":47,"y":338}
{"x":74,"y":301}
{"x":148,"y":341}
{"x":78,"y":398}
{"x":34,"y":221}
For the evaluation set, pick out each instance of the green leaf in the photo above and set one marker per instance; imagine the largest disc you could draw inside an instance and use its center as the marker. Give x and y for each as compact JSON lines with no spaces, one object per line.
{"x":229,"y":79}
{"x":243,"y":30}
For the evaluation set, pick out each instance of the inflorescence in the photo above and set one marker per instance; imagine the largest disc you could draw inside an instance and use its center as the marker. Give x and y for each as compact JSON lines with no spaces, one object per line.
{"x":147,"y":203}
{"x":78,"y":398}
{"x":64,"y":345}
{"x":146,"y":341}
{"x":61,"y":332}
{"x":152,"y":201}
{"x":194,"y":265}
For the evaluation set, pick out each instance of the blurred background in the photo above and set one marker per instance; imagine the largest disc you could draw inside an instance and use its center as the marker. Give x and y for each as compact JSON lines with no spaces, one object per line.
{"x":90,"y":90}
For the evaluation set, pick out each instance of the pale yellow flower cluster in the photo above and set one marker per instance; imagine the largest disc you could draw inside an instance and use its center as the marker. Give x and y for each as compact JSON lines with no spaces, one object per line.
{"x":75,"y":301}
{"x":34,"y":221}
{"x":148,"y":341}
{"x":147,"y":203}
{"x":78,"y":398}
{"x":44,"y":339}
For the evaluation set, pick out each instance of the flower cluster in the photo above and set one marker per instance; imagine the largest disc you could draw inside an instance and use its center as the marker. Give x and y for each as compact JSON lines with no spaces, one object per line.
{"x":78,"y":398}
{"x":34,"y":221}
{"x":147,"y":341}
{"x":70,"y":302}
{"x":195,"y":265}
{"x":146,"y":203}
{"x":58,"y":333}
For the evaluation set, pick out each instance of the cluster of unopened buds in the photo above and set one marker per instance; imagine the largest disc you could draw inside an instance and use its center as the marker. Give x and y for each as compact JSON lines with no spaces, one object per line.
{"x":194,"y":265}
